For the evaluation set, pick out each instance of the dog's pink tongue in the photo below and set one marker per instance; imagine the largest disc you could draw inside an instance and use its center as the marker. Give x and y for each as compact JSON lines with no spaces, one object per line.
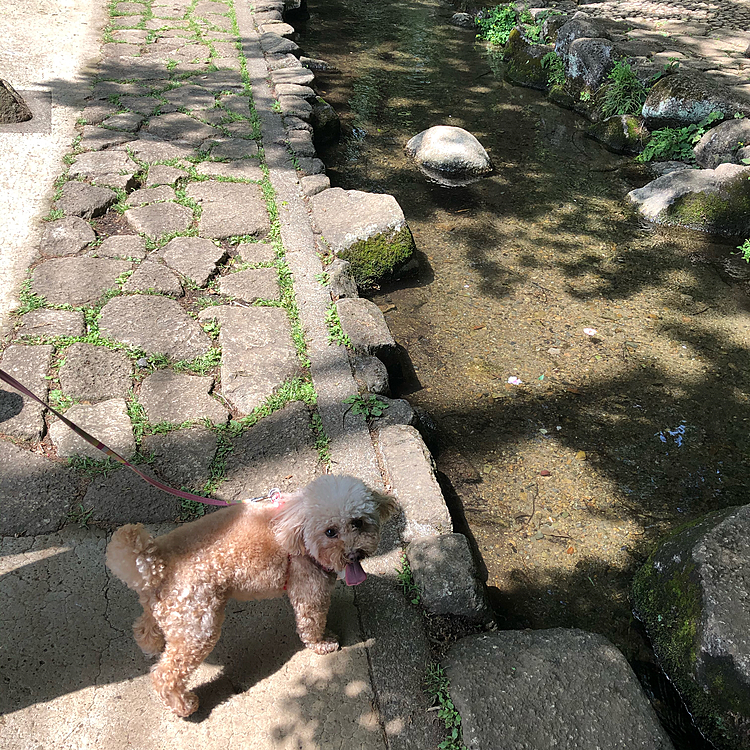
{"x":355,"y":574}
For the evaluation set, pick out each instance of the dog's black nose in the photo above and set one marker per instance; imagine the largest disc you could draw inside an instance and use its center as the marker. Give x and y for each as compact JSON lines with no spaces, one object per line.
{"x":355,"y":556}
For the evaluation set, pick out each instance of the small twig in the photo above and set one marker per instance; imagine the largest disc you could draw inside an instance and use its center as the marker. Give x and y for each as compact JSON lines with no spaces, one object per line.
{"x":533,"y":502}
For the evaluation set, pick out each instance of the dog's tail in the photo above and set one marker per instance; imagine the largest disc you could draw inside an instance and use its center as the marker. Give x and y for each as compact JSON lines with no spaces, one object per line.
{"x":133,"y":557}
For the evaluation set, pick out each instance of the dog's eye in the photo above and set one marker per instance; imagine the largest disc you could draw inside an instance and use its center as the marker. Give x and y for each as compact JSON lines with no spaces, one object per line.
{"x":331,"y":532}
{"x":358,"y":523}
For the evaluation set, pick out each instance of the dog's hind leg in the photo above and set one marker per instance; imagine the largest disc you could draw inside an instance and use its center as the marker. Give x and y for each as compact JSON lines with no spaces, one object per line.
{"x":147,"y":632}
{"x":190,"y":638}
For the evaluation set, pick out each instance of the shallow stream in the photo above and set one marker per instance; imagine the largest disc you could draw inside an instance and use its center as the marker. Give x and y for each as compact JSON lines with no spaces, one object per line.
{"x":612,"y":438}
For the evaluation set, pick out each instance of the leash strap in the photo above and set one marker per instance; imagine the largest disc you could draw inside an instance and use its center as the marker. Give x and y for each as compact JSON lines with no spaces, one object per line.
{"x":11,"y":381}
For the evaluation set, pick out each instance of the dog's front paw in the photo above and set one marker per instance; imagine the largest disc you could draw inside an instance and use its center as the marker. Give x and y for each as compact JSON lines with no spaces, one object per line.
{"x":326,"y":646}
{"x":184,"y":705}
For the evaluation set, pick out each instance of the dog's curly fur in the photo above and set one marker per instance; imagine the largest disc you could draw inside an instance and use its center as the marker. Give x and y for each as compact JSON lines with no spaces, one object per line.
{"x":248,"y":551}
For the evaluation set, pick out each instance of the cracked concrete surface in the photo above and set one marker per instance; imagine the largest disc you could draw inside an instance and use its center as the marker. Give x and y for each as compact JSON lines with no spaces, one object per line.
{"x":80,"y":681}
{"x":46,"y":47}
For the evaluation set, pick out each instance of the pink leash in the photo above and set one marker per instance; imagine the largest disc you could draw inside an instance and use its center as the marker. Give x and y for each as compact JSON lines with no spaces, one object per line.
{"x":11,"y":381}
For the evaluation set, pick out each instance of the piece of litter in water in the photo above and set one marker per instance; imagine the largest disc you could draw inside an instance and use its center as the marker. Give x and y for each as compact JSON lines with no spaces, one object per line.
{"x":515,"y":381}
{"x":590,"y":331}
{"x":676,"y":434}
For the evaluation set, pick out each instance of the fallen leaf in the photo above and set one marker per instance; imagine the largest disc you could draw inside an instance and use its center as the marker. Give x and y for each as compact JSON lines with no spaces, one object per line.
{"x":570,"y":550}
{"x":581,"y":455}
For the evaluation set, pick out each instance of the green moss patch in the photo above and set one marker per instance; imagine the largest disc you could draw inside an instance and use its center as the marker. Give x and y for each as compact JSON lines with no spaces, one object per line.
{"x":379,"y":257}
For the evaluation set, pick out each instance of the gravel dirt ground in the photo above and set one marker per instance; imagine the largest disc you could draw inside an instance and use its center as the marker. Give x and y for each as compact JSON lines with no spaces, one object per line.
{"x":585,"y":372}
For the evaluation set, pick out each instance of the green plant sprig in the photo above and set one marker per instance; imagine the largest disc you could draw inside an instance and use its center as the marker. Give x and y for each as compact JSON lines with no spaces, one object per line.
{"x":437,"y":686}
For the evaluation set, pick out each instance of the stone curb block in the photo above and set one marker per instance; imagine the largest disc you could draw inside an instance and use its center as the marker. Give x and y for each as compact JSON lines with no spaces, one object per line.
{"x":446,"y":575}
{"x":411,"y":475}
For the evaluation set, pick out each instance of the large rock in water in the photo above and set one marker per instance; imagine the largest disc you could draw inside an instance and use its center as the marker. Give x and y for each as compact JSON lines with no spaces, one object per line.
{"x":367,"y":229}
{"x":524,"y":61}
{"x":723,"y":144}
{"x":12,"y":106}
{"x":687,"y":98}
{"x":709,"y":200}
{"x":590,"y":698}
{"x":693,"y":596}
{"x":622,"y":134}
{"x":449,"y":156}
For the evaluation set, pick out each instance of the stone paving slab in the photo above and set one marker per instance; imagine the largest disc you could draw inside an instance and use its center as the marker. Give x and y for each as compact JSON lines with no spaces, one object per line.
{"x":22,"y":417}
{"x":235,"y":148}
{"x":181,"y":128}
{"x":52,"y":323}
{"x":497,"y":680}
{"x":194,"y":257}
{"x":156,"y":277}
{"x":126,"y":121}
{"x":252,"y":285}
{"x":35,"y":497}
{"x":153,"y":150}
{"x":123,"y":246}
{"x":150,"y":195}
{"x":173,"y":397}
{"x":242,"y":169}
{"x":76,"y":281}
{"x":123,"y":497}
{"x":66,"y":236}
{"x":95,"y":373}
{"x":95,"y":163}
{"x":230,"y":209}
{"x":163,"y":175}
{"x":182,"y":458}
{"x":257,"y":353}
{"x":96,"y":138}
{"x":107,"y":421}
{"x":279,"y":451}
{"x":256,"y":252}
{"x":84,"y":200}
{"x":158,"y":219}
{"x":157,"y":325}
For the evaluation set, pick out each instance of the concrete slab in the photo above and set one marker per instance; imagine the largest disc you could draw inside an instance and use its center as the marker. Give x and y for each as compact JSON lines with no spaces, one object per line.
{"x":45,"y":48}
{"x":80,"y":680}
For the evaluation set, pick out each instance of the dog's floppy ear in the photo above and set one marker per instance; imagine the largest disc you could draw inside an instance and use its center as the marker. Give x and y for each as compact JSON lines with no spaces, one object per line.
{"x":387,"y":505}
{"x":289,"y":524}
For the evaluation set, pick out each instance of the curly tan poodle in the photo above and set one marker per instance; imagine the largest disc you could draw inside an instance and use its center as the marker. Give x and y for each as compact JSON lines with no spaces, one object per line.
{"x":246,"y":551}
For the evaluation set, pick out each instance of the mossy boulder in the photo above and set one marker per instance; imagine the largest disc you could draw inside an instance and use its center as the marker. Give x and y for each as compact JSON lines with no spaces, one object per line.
{"x":326,"y":123}
{"x":524,"y":61}
{"x":723,"y":144}
{"x":367,"y":229}
{"x":689,"y":97}
{"x":692,"y":596}
{"x":708,"y":200}
{"x":580,"y":26}
{"x":622,"y":134}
